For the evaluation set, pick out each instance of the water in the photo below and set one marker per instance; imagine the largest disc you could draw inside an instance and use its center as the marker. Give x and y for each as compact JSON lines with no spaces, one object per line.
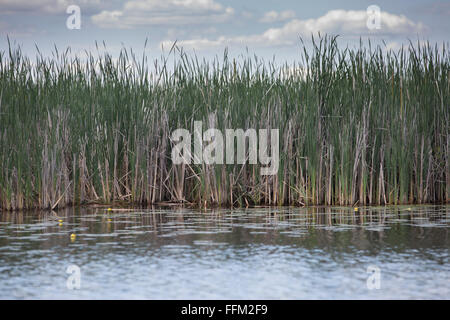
{"x":283,"y":253}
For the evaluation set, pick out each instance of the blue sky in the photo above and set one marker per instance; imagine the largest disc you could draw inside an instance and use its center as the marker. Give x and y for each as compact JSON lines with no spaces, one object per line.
{"x":266,"y":28}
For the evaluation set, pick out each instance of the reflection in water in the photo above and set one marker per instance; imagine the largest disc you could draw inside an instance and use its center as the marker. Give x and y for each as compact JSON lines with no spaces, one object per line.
{"x":259,"y":253}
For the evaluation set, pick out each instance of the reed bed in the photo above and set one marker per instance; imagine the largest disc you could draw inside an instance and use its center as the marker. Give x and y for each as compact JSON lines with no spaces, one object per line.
{"x":357,"y":126}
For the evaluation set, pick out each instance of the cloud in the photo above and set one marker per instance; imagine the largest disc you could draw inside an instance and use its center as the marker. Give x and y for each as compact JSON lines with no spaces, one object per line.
{"x":47,"y":6}
{"x":163,"y":12}
{"x":338,"y":22}
{"x":345,"y":23}
{"x":274,"y":16}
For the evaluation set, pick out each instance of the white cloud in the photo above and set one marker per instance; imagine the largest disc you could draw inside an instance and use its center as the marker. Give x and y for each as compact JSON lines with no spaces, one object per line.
{"x":337,"y":22}
{"x":274,"y":16}
{"x":46,"y":6}
{"x":345,"y":23}
{"x":163,"y":12}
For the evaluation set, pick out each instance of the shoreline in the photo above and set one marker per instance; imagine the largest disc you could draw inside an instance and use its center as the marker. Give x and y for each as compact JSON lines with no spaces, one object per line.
{"x":112,"y":207}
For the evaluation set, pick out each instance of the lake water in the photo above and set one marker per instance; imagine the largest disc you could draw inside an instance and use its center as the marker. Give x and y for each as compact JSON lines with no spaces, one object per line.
{"x":259,"y":253}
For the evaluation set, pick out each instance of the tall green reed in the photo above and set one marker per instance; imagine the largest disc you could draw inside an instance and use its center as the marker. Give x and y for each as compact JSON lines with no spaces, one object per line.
{"x":364,"y":125}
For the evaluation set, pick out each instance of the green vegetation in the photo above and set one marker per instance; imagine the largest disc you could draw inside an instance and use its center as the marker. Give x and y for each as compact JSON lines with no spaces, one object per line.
{"x":364,"y":126}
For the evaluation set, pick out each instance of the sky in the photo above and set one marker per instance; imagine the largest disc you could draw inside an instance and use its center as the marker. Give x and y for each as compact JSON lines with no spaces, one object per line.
{"x":266,"y":28}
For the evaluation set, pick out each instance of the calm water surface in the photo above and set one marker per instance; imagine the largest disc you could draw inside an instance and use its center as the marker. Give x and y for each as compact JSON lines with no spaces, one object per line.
{"x":283,"y":253}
